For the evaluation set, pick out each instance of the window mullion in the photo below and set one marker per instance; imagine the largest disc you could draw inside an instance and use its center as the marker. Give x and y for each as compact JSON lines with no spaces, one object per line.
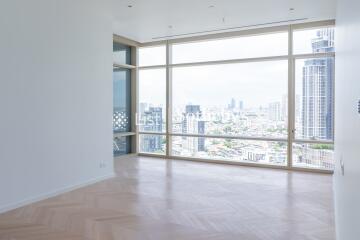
{"x":168,"y":98}
{"x":291,"y":98}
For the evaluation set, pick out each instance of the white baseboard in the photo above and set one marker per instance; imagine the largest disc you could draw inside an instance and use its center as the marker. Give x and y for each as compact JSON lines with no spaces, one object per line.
{"x":54,"y":193}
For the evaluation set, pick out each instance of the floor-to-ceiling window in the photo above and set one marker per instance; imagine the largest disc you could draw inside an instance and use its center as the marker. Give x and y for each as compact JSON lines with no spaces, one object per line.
{"x":314,"y":94}
{"x":260,"y":97}
{"x":152,"y":114}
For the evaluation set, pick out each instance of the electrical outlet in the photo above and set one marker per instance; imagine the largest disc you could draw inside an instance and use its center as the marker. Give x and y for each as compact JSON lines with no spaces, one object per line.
{"x":102,"y":165}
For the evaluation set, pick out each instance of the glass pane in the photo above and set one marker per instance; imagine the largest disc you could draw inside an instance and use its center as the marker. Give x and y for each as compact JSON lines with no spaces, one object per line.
{"x":274,"y":44}
{"x":121,"y":100}
{"x":121,"y":146}
{"x":150,"y":56}
{"x":231,"y":150}
{"x":152,"y":144}
{"x":314,"y":40}
{"x":152,"y":100}
{"x":314,"y":155}
{"x":121,"y":53}
{"x":245,"y":99}
{"x":314,"y":105}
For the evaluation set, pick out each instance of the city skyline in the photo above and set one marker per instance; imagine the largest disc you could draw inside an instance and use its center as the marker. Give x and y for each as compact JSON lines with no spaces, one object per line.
{"x":256,"y":105}
{"x":153,"y":81}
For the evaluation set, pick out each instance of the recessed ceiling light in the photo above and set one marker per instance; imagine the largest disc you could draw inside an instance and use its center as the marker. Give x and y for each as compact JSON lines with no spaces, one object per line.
{"x":130,"y":6}
{"x":211,"y":6}
{"x":291,"y":9}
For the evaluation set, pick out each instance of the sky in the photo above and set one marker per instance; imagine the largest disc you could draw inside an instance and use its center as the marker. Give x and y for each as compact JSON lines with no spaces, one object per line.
{"x":257,"y":84}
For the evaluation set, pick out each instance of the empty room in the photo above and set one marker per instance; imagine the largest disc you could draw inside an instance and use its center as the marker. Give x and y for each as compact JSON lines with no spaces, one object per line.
{"x":179,"y":120}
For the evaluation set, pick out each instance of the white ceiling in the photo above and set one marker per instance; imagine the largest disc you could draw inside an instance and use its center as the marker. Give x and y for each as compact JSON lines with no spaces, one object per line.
{"x":149,"y":20}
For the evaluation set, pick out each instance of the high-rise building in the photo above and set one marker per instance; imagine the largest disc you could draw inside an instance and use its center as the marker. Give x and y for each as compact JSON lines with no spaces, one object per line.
{"x":153,"y":122}
{"x":275,"y":111}
{"x":318,"y":89}
{"x":241,"y":105}
{"x":232,"y":104}
{"x":297,"y":109}
{"x":142,"y":108}
{"x":192,"y":123}
{"x":284,"y":107}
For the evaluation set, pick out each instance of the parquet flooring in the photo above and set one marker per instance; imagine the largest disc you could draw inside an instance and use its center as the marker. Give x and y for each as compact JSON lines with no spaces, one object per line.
{"x":155,"y":199}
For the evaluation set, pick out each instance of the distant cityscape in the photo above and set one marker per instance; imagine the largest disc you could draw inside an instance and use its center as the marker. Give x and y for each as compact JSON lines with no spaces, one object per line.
{"x":313,"y":120}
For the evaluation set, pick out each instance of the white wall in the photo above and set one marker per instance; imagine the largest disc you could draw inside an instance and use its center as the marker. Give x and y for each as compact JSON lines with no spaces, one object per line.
{"x":55,"y":96}
{"x":347,"y":139}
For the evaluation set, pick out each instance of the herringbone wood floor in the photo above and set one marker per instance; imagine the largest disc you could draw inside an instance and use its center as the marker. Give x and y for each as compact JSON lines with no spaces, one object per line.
{"x":158,"y":199}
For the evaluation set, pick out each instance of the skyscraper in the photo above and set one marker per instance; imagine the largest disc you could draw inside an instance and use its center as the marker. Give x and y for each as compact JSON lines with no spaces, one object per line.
{"x":284,"y":107}
{"x":232,"y":104}
{"x":152,"y":123}
{"x":142,"y":108}
{"x":275,"y":111}
{"x":317,"y":101}
{"x":241,"y":105}
{"x":192,"y":123}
